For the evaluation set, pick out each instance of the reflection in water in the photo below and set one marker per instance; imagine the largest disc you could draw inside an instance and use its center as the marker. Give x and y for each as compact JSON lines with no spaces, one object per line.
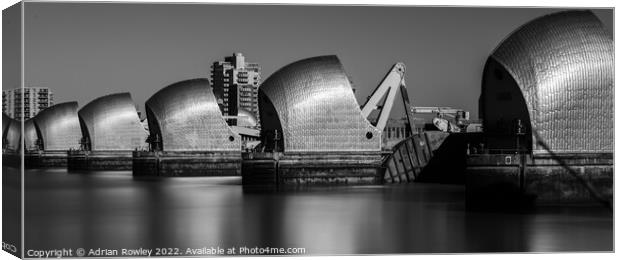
{"x":112,"y":210}
{"x":11,"y":205}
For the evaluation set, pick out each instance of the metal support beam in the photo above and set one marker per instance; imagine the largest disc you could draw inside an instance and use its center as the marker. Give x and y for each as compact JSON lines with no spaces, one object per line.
{"x":391,"y":83}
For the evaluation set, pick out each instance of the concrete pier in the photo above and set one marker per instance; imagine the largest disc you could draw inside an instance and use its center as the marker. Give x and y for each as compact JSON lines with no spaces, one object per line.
{"x":517,"y":180}
{"x":45,"y":159}
{"x":99,"y":160}
{"x":299,"y":169}
{"x":212,"y":163}
{"x":11,"y":159}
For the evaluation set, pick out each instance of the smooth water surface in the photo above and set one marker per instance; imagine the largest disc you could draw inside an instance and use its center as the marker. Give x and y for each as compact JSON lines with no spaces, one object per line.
{"x":113,"y":210}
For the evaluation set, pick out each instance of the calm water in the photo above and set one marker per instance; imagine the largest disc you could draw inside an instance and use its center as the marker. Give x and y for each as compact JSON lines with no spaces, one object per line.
{"x":112,"y":210}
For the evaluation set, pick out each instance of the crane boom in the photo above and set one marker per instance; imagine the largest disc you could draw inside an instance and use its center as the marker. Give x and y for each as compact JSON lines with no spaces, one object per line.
{"x":393,"y":81}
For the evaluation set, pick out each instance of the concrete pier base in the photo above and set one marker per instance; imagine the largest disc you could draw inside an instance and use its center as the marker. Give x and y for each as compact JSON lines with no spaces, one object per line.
{"x":203,"y":163}
{"x":45,"y":159}
{"x":99,"y":160}
{"x":299,"y":169}
{"x":11,"y":159}
{"x":514,"y":180}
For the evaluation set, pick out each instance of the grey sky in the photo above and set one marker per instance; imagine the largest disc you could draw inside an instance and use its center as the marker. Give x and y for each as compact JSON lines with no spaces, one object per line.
{"x":86,"y":50}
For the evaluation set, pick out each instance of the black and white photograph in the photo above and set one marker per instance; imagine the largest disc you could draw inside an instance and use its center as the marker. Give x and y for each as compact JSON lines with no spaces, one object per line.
{"x":210,"y":129}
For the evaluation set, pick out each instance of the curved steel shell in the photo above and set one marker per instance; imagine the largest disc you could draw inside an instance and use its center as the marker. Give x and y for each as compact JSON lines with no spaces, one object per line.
{"x":59,"y":127}
{"x":12,"y":133}
{"x":111,"y":123}
{"x":317,"y":109}
{"x":6,"y":120}
{"x":563,"y":64}
{"x":186,"y":117}
{"x":246,"y":118}
{"x":30,"y":135}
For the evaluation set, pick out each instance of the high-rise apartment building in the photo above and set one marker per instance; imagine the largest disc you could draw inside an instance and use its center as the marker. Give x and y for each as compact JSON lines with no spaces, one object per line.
{"x":34,"y":100}
{"x":235,"y":83}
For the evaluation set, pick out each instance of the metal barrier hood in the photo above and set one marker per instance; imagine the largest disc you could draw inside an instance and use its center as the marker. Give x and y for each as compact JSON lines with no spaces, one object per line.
{"x":11,"y":133}
{"x":246,"y":118}
{"x":111,"y":123}
{"x":312,"y":104}
{"x":59,"y":127}
{"x":30,"y":135}
{"x":5,"y":122}
{"x":186,"y":117}
{"x":562,"y":65}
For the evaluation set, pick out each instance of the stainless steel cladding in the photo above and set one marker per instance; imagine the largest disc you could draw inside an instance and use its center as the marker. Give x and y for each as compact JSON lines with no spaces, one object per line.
{"x":111,"y":123}
{"x":186,"y":117}
{"x":30,"y":135}
{"x":246,"y":118}
{"x":59,"y":127}
{"x":11,"y":133}
{"x":317,"y":109}
{"x":6,"y":120}
{"x":563,"y":64}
